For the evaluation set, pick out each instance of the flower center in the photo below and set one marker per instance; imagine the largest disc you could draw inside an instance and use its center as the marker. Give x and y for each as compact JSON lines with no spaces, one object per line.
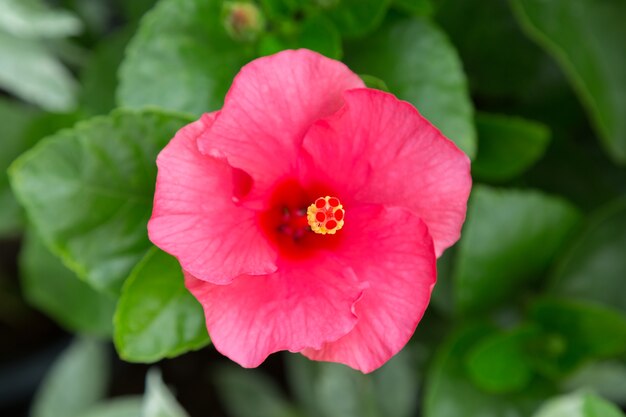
{"x":325,"y":216}
{"x":293,"y":223}
{"x":297,"y":228}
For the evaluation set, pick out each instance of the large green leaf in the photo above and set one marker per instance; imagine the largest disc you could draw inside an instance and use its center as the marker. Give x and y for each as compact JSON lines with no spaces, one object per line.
{"x":34,"y":74}
{"x":77,"y":380}
{"x":330,"y":389}
{"x":499,"y":363}
{"x":595,"y":267}
{"x":251,"y":393}
{"x":450,"y":392}
{"x":159,"y":401}
{"x":443,"y":294}
{"x":507,"y":146}
{"x":395,"y":386}
{"x":134,"y":10}
{"x":605,"y":378}
{"x":14,"y":119}
{"x":51,"y":287}
{"x":579,"y":331}
{"x":509,"y":238}
{"x":35,"y":18}
{"x":579,"y":405}
{"x":586,"y":37}
{"x":117,"y":407}
{"x":419,"y":65}
{"x":418,"y":7}
{"x":578,"y":170}
{"x":357,"y":17}
{"x":301,"y":374}
{"x":47,"y":124}
{"x":99,"y":76}
{"x":317,"y":33}
{"x":156,"y":315}
{"x":181,"y":58}
{"x":342,"y":391}
{"x":498,"y":58}
{"x":23,"y":127}
{"x":89,"y":191}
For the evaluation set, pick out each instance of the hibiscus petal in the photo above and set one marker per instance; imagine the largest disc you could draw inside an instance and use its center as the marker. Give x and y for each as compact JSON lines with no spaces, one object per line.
{"x":378,"y":149}
{"x":194,"y":217}
{"x":390,"y":249}
{"x":269,"y":107}
{"x":303,"y":304}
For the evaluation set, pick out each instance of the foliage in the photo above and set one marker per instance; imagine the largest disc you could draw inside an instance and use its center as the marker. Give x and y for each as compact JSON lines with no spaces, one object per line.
{"x":530,"y":303}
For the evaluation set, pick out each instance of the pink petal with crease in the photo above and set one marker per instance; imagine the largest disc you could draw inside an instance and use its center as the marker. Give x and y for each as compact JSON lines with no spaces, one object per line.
{"x":268,"y":109}
{"x":194,"y":217}
{"x":301,"y":305}
{"x":391,"y":250}
{"x":378,"y":149}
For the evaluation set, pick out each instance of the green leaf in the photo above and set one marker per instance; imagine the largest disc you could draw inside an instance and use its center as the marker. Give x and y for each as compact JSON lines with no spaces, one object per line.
{"x":595,"y":267}
{"x":301,"y":375}
{"x":23,"y":127}
{"x":134,"y":10}
{"x":35,"y":75}
{"x":396,"y":385}
{"x":374,"y":82}
{"x":181,"y":47}
{"x":89,"y":191}
{"x":51,"y":287}
{"x":355,"y":18}
{"x":34,"y":18}
{"x":319,"y":34}
{"x":117,"y":407}
{"x":156,"y":316}
{"x":586,"y":331}
{"x":578,"y":405}
{"x":586,"y":38}
{"x":597,"y":407}
{"x":77,"y":380}
{"x":159,"y":401}
{"x":99,"y":76}
{"x":419,"y":65}
{"x":329,"y":390}
{"x":499,"y":364}
{"x":577,"y":169}
{"x":507,"y":146}
{"x":270,"y":43}
{"x":14,"y":119}
{"x":606,"y":379}
{"x":316,"y":33}
{"x":342,"y":391}
{"x":246,"y":393}
{"x":417,"y":7}
{"x":443,"y":294}
{"x":498,"y":58}
{"x":450,"y":392}
{"x":509,"y":239}
{"x":46,"y":124}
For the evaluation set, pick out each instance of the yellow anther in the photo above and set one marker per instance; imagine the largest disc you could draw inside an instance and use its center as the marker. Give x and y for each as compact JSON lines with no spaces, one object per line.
{"x":325,"y":215}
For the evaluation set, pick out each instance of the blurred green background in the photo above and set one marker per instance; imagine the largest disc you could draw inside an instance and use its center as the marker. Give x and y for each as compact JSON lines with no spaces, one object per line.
{"x":528,"y":317}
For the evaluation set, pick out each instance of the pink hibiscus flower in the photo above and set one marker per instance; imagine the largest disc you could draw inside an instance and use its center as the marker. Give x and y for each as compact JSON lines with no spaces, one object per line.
{"x":307,"y":214}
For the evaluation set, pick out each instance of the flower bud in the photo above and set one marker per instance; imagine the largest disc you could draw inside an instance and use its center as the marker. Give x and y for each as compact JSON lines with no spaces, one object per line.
{"x":243,"y":21}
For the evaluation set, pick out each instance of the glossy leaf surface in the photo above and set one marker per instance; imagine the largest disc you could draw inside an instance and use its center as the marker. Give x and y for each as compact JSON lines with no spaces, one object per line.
{"x":89,"y":191}
{"x":436,"y":86}
{"x":509,"y":238}
{"x":156,"y":316}
{"x":586,"y":38}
